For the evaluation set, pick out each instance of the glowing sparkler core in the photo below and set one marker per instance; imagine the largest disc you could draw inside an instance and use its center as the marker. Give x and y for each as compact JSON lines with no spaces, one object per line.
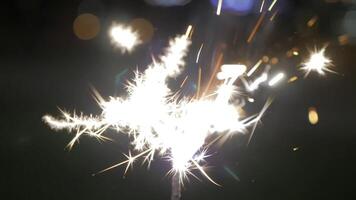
{"x":124,"y":38}
{"x":317,"y":62}
{"x":157,"y":121}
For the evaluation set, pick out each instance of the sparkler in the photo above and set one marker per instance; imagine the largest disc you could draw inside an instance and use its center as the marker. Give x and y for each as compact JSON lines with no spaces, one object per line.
{"x":158,"y":122}
{"x":124,"y":37}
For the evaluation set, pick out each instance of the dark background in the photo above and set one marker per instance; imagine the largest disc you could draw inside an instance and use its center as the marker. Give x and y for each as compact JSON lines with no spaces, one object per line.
{"x":44,"y":65}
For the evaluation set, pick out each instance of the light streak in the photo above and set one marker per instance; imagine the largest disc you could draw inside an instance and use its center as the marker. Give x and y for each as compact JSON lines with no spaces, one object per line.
{"x":183,"y":82}
{"x":254,"y":68}
{"x":218,"y":9}
{"x":272,"y":4}
{"x":255,"y":28}
{"x":262,"y":4}
{"x":158,"y":122}
{"x":257,"y":82}
{"x":124,"y":37}
{"x":274,"y":15}
{"x":317,"y":62}
{"x":198,"y":55}
{"x":276,"y":79}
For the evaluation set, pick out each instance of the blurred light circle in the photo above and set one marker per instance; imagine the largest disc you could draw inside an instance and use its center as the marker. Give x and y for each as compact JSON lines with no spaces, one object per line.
{"x":239,"y":6}
{"x":168,"y":2}
{"x":86,"y":26}
{"x":144,"y":28}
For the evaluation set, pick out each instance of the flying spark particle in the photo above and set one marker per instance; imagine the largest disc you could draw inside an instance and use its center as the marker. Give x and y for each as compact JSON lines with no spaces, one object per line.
{"x":218,"y":9}
{"x":272,"y":4}
{"x":198,"y":55}
{"x":262,"y":4}
{"x":292,"y":79}
{"x":276,"y":79}
{"x":254,"y":68}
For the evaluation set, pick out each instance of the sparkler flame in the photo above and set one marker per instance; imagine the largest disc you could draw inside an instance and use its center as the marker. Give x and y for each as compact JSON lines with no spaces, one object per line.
{"x":160,"y":123}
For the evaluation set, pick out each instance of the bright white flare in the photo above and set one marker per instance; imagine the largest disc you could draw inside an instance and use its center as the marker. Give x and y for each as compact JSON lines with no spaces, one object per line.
{"x":124,"y":37}
{"x":317,"y":62}
{"x":159,"y":123}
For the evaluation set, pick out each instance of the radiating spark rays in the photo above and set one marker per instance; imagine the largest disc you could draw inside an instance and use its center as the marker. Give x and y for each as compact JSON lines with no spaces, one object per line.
{"x":124,"y":38}
{"x":255,"y":28}
{"x":218,"y":8}
{"x":272,"y":4}
{"x":317,"y":62}
{"x":277,"y":78}
{"x":156,"y":121}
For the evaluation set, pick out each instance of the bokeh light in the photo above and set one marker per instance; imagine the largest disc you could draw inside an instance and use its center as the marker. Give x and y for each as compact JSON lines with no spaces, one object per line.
{"x":313,"y":116}
{"x":86,"y":26}
{"x":144,"y":28}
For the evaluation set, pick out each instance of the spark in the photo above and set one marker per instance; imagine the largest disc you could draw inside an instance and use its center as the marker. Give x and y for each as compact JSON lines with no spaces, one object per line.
{"x":276,"y":79}
{"x":160,"y":123}
{"x":254,"y":30}
{"x":257,"y":82}
{"x":272,"y":4}
{"x":262,"y":4}
{"x":292,"y":79}
{"x":124,"y":37}
{"x":218,"y":9}
{"x":183,"y":82}
{"x":254,"y":68}
{"x":198,"y":55}
{"x":317,"y":62}
{"x":313,"y":116}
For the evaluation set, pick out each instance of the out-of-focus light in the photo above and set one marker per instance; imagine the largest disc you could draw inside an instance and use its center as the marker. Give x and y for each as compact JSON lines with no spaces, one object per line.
{"x":312,"y":21}
{"x":274,"y":60}
{"x":124,"y":37}
{"x":343,"y":39}
{"x":167,"y":2}
{"x":238,"y":6}
{"x":276,"y":79}
{"x":292,"y":79}
{"x":144,"y":28}
{"x":265,"y":59}
{"x":86,"y":26}
{"x":313,"y":116}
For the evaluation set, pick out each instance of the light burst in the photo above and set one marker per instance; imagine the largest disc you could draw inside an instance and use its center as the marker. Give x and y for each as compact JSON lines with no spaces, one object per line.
{"x":160,"y":123}
{"x":317,"y":62}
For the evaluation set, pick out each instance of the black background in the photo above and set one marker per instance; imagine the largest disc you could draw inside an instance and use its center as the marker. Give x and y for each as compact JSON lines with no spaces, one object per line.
{"x":44,"y":65}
